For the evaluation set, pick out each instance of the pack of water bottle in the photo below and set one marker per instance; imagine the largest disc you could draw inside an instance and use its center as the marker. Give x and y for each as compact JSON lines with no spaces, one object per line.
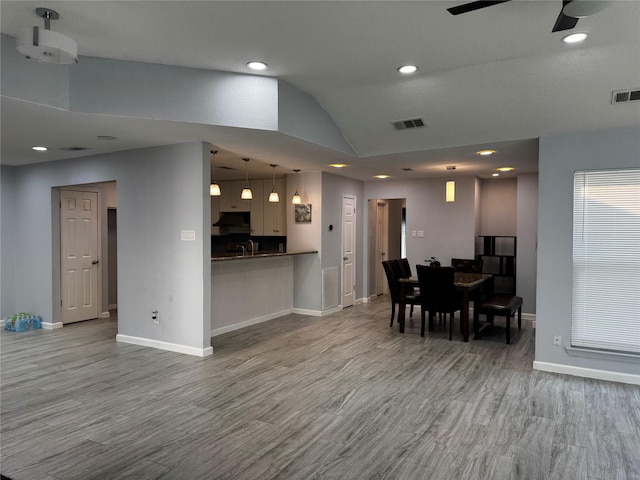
{"x":23,"y":321}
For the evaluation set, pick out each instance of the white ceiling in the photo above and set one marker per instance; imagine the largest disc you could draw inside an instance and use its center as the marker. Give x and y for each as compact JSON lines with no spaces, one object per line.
{"x":495,"y":77}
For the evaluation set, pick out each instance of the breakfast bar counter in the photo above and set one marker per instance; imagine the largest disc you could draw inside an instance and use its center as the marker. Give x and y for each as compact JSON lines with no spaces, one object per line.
{"x":249,"y":256}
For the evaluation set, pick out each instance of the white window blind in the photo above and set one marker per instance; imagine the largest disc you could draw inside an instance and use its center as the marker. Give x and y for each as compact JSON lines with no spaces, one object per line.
{"x":606,"y":260}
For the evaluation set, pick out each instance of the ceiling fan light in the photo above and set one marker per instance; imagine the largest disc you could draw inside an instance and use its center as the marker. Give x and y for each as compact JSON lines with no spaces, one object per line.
{"x":584,"y":8}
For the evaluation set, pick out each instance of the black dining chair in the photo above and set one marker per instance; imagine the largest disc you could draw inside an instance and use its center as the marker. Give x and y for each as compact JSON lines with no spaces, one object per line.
{"x":392,"y":271}
{"x":438,"y":294}
{"x":405,"y":272}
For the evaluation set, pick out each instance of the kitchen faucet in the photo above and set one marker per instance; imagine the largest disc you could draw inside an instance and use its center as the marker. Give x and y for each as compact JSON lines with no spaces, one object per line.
{"x":250,"y":242}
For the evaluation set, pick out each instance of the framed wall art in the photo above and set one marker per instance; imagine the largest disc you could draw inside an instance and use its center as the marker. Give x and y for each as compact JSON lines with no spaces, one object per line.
{"x":303,"y":213}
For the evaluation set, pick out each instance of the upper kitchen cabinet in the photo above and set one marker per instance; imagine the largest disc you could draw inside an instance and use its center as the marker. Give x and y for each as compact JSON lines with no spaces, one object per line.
{"x":257,"y":207}
{"x":275,"y":219}
{"x":230,"y":200}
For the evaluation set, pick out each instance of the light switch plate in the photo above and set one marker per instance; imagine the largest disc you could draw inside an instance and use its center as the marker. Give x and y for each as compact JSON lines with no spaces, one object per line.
{"x":413,"y":233}
{"x":420,"y":233}
{"x":187,"y":235}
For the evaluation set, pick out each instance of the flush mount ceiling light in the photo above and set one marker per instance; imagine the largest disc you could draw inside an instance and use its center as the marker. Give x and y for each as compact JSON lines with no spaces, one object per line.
{"x":45,"y":45}
{"x":407,"y":69}
{"x":337,"y":165}
{"x":485,"y":153}
{"x":259,"y":66}
{"x":273,"y":196}
{"x":575,"y":38}
{"x":296,"y":200}
{"x":505,"y":169}
{"x":382,"y":177}
{"x":246,"y":191}
{"x":39,"y":149}
{"x":495,"y":174}
{"x":214,"y":188}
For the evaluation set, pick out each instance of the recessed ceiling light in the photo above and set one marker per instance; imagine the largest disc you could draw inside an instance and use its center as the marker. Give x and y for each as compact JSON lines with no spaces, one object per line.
{"x":338,"y":165}
{"x":485,"y":153}
{"x":495,"y":174}
{"x":107,"y":137}
{"x":257,"y":65}
{"x":505,"y":169}
{"x":575,"y":38}
{"x":39,"y":149}
{"x":382,"y":176}
{"x":407,"y":69}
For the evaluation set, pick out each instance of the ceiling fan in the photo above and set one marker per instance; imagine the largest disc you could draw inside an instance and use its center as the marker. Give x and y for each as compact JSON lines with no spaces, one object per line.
{"x":572,"y":10}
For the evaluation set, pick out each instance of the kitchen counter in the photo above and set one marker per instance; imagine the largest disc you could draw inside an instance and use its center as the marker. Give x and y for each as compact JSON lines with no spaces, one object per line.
{"x":222,"y":258}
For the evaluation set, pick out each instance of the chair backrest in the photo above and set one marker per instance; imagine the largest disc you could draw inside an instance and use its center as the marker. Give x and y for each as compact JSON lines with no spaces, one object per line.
{"x":467,"y":265}
{"x":437,"y":290}
{"x":405,"y":268}
{"x":392,"y":271}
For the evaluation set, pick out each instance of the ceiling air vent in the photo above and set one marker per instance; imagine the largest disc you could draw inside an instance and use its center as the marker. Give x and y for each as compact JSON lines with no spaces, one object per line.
{"x":623,"y":96}
{"x":74,"y":149}
{"x":406,"y":124}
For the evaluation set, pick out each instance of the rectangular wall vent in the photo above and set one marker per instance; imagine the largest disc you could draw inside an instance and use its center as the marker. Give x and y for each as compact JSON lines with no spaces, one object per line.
{"x":411,"y":123}
{"x":624,"y":96}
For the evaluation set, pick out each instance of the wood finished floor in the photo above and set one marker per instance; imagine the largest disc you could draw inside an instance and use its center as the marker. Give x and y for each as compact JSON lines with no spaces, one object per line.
{"x":340,"y":397}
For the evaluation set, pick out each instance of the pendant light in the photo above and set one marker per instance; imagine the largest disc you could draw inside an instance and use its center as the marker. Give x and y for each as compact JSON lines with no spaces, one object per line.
{"x":246,"y":191}
{"x":273,"y":196}
{"x":296,"y":196}
{"x":214,"y":188}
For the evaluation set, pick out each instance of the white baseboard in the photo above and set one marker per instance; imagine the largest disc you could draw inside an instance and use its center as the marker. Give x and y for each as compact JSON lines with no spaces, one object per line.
{"x":104,"y":315}
{"x":587,"y":372}
{"x":309,"y":313}
{"x":360,"y":301}
{"x":51,"y":326}
{"x":171,"y":347}
{"x":246,"y":323}
{"x":113,"y":306}
{"x":2,"y":323}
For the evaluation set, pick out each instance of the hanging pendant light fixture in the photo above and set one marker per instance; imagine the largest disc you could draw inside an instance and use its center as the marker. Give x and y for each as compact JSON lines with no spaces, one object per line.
{"x":273,"y":196}
{"x":214,"y":188}
{"x":296,"y":200}
{"x":246,"y":191}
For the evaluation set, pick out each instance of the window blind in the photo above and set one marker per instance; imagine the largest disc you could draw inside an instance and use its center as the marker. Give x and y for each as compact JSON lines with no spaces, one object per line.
{"x":606,"y":260}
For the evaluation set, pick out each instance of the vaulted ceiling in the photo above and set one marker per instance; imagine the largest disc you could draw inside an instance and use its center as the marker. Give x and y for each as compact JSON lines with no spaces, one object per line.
{"x":493,"y":78}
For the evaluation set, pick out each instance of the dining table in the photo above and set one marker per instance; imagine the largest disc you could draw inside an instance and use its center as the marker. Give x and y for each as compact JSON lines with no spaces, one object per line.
{"x":464,"y":282}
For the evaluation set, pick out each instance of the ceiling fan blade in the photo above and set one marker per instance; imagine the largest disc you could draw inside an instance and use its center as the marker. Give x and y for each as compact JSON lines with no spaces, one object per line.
{"x":564,"y":22}
{"x":470,"y":7}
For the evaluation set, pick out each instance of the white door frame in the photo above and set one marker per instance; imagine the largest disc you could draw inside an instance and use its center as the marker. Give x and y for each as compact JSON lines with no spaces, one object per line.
{"x":382,"y":245}
{"x":349,"y":258}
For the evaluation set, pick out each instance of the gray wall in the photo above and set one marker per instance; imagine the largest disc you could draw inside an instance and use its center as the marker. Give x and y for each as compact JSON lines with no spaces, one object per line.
{"x":560,"y":157}
{"x":498,"y":207}
{"x":8,"y":239}
{"x":527,"y":232}
{"x":333,"y":188}
{"x":161,"y":191}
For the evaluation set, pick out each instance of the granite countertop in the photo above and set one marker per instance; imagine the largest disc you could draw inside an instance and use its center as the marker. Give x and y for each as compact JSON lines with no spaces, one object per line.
{"x":225,"y":257}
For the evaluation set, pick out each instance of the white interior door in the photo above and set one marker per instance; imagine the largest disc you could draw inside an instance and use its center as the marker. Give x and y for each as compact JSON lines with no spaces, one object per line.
{"x":79,"y":256}
{"x":381,"y":246}
{"x":348,"y":250}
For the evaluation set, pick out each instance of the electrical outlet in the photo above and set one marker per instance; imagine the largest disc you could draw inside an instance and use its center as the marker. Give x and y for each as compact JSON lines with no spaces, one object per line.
{"x":557,"y":340}
{"x":155,"y":316}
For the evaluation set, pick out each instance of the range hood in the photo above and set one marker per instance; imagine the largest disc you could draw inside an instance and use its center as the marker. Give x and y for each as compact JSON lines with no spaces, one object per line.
{"x":234,"y":219}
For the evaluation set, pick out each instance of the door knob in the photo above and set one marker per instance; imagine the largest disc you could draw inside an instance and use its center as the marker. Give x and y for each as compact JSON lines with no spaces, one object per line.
{"x":345,"y":258}
{"x":95,"y":262}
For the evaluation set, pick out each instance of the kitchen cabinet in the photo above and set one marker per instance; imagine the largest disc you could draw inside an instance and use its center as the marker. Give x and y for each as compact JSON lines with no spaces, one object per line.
{"x":230,"y":200}
{"x":275,"y":219}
